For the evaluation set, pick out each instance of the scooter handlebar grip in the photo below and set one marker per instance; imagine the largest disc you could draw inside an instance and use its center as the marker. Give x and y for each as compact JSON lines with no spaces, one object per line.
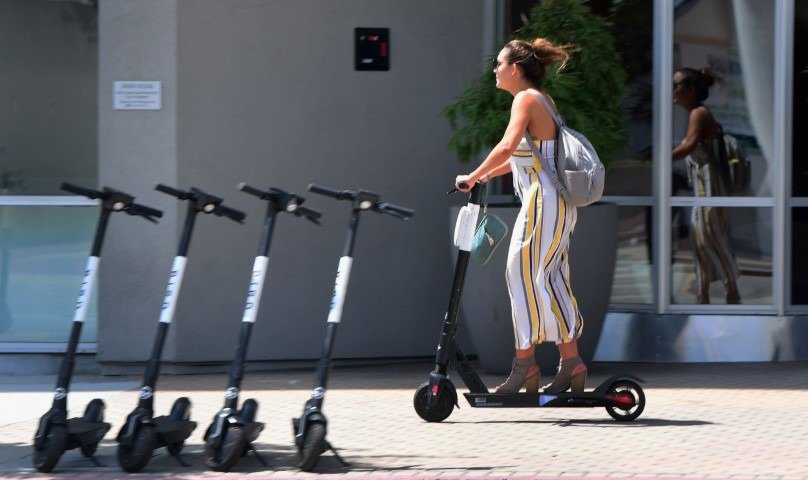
{"x":181,"y":194}
{"x":230,"y":213}
{"x":312,"y":215}
{"x":329,"y":192}
{"x":396,"y":211}
{"x":137,"y":209}
{"x":252,"y":190}
{"x":84,"y":192}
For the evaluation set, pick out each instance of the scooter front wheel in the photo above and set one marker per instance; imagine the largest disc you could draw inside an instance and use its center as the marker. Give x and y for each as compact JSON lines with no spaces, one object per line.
{"x":442,"y":408}
{"x":53,"y":448}
{"x":136,"y":457}
{"x":313,"y":446}
{"x":223,"y":458}
{"x":628,"y":400}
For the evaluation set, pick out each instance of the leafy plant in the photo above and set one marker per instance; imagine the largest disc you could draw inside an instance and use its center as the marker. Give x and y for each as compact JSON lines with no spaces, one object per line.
{"x":587,"y":92}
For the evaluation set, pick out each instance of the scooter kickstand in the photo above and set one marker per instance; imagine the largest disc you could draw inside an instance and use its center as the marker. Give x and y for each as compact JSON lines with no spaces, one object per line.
{"x":257,"y":455}
{"x":334,"y":451}
{"x":180,"y":460}
{"x":95,"y":461}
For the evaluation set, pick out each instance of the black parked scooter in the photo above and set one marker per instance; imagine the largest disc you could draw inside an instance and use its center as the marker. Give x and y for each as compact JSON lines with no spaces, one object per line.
{"x":435,"y":400}
{"x":56,"y":433}
{"x":230,"y":435}
{"x":310,"y":427}
{"x":142,"y":433}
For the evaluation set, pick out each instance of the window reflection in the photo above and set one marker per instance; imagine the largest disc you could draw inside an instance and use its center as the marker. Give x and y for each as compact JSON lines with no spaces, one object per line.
{"x":734,"y":39}
{"x":800,"y":100}
{"x":43,"y":251}
{"x":632,"y":275}
{"x":48,"y":99}
{"x":702,"y":270}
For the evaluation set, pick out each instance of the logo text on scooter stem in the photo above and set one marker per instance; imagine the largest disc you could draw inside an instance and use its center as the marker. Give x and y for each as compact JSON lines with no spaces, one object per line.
{"x":340,"y":287}
{"x":259,"y":273}
{"x":173,"y":289}
{"x":87,"y":284}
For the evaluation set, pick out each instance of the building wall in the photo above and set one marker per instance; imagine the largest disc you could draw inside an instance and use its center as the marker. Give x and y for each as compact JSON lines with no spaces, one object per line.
{"x":265,"y":92}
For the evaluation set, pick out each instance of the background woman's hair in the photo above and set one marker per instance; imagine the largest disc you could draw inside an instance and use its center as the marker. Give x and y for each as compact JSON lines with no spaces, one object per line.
{"x":534,"y":57}
{"x":700,"y":80}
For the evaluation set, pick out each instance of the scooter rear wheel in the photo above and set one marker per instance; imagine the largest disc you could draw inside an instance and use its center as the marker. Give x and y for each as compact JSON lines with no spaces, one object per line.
{"x":223,"y":458}
{"x":313,"y":446}
{"x":442,"y":408}
{"x":626,"y":387}
{"x":94,"y":413}
{"x":52,"y":450}
{"x":135,"y":458}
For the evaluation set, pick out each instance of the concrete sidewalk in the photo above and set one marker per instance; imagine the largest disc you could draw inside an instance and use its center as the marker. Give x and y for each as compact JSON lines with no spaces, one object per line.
{"x":713,"y":421}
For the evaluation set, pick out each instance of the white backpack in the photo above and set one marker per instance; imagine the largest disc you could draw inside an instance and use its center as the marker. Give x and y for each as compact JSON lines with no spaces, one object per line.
{"x":582,"y":175}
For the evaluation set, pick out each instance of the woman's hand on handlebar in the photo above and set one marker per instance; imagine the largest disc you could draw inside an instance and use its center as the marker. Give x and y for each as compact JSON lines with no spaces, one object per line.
{"x":463,"y":184}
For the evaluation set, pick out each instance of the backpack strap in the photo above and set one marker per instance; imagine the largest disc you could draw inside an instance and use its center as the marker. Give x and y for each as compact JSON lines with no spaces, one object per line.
{"x":551,"y":172}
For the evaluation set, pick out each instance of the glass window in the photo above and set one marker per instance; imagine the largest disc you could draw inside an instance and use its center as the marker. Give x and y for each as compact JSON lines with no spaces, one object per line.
{"x":800,"y":100}
{"x":799,"y":256}
{"x":629,"y":171}
{"x":633,"y":281}
{"x":48,"y":95}
{"x":48,"y":135}
{"x":731,"y":42}
{"x":721,"y":255}
{"x":43,"y":251}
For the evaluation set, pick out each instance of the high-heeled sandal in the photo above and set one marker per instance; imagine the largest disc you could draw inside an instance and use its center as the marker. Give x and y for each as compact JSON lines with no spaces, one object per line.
{"x":524,"y":373}
{"x":571,"y":376}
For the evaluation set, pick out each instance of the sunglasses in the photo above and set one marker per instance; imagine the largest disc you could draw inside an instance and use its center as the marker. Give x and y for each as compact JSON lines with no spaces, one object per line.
{"x":495,"y":63}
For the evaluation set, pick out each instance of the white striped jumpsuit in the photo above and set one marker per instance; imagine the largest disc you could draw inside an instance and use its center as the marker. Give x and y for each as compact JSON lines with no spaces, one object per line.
{"x":543,"y":306}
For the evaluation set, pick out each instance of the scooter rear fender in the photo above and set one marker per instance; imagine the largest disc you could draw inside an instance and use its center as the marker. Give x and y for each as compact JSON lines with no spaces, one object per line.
{"x":603,"y":387}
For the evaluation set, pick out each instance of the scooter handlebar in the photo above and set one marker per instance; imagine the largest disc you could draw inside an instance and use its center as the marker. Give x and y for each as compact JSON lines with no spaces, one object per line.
{"x":181,"y":194}
{"x":330,"y":192}
{"x":147,"y":212}
{"x":310,"y":214}
{"x":394,"y":210}
{"x":230,"y":213}
{"x":84,"y":192}
{"x":252,"y":190}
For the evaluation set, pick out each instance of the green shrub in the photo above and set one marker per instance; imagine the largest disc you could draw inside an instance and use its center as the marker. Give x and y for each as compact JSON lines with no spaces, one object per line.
{"x":587,"y":92}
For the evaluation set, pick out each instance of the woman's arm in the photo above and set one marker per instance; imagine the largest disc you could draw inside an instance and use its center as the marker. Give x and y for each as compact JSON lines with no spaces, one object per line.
{"x":696,"y":125}
{"x":496,"y":163}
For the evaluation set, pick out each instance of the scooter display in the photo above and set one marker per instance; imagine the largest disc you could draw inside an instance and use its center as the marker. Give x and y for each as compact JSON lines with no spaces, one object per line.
{"x":142,"y":433}
{"x":621,"y":395}
{"x":232,"y":432}
{"x":311,"y":427}
{"x":56,"y":433}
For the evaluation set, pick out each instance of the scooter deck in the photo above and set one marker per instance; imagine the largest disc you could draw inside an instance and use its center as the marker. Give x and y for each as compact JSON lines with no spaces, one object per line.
{"x":540,"y":400}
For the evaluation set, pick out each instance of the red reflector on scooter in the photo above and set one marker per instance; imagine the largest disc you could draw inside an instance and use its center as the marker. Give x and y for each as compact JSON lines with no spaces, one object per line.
{"x":434,"y":389}
{"x":622,"y":400}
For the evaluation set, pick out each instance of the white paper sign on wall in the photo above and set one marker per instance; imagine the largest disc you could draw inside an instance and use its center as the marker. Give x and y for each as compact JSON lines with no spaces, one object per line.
{"x":137,"y":95}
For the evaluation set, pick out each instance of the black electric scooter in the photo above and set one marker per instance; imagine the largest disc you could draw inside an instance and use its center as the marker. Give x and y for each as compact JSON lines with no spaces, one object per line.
{"x":435,"y":400}
{"x":142,"y":433}
{"x":232,"y":432}
{"x":56,"y":433}
{"x":310,"y":428}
